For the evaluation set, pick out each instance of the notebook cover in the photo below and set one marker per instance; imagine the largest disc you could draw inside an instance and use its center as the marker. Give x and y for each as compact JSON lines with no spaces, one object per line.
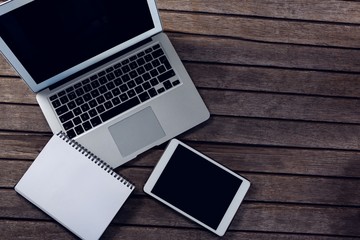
{"x":74,"y":187}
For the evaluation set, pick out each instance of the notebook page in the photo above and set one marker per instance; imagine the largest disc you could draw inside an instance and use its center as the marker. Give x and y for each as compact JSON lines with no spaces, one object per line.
{"x":72,"y":189}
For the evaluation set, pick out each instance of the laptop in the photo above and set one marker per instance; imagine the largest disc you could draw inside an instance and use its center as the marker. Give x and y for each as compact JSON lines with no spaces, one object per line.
{"x":104,"y":72}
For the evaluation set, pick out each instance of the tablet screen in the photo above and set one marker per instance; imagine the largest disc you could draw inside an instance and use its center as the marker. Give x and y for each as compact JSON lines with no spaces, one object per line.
{"x":197,"y":187}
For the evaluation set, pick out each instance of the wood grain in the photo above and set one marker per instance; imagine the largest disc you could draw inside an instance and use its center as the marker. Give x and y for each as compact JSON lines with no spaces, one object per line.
{"x":262,"y":217}
{"x":264,"y":30}
{"x":282,"y":82}
{"x":309,"y":10}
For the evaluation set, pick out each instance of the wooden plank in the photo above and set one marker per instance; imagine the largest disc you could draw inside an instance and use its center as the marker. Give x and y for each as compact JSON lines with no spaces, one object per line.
{"x":239,"y":158}
{"x":226,"y":103}
{"x":225,"y":130}
{"x":323,"y":10}
{"x":271,"y":217}
{"x":23,"y":117}
{"x":277,"y":133}
{"x":274,"y":80}
{"x":265,"y":30}
{"x":14,"y":90}
{"x":281,"y":106}
{"x":21,"y":145}
{"x":266,"y":188}
{"x":231,"y":51}
{"x":11,"y":229}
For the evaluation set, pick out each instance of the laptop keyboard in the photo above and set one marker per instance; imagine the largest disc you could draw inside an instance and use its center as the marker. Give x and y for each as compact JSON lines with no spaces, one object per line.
{"x":113,"y":90}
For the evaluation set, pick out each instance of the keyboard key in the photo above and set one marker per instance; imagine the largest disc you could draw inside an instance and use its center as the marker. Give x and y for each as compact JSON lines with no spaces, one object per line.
{"x":77,"y":111}
{"x":157,"y":53}
{"x":110,"y":85}
{"x":109,"y":69}
{"x":116,"y":66}
{"x":161,"y":90}
{"x":125,"y":69}
{"x":149,"y":50}
{"x":84,"y":116}
{"x":124,"y":88}
{"x":62,"y":93}
{"x":146,"y":76}
{"x":155,"y":63}
{"x":116,"y":92}
{"x":95,"y":84}
{"x":133,"y":74}
{"x":85,"y":81}
{"x":157,"y":46}
{"x":110,"y":76}
{"x":56,"y":103}
{"x":66,"y":117}
{"x":119,"y":109}
{"x":77,"y":85}
{"x":154,"y":81}
{"x":93,"y":103}
{"x":161,"y":69}
{"x":146,"y":85}
{"x":68,"y":125}
{"x":102,"y":73}
{"x":87,"y":88}
{"x":86,"y":125}
{"x":140,"y":54}
{"x":139,"y":89}
{"x":133,"y":58}
{"x":166,"y":75}
{"x":61,"y":110}
{"x":133,"y":65}
{"x":71,"y":133}
{"x":118,"y":81}
{"x":77,"y":121}
{"x":152,"y":92}
{"x":79,"y":130}
{"x":79,"y":91}
{"x":144,"y":96}
{"x":125,"y":78}
{"x":79,"y":101}
{"x":148,"y":66}
{"x":116,"y":101}
{"x":87,"y":97}
{"x":102,"y":89}
{"x":131,"y":84}
{"x":100,"y":108}
{"x":102,"y":80}
{"x":176,"y":82}
{"x":148,"y":58}
{"x":92,"y":113}
{"x":72,"y":95}
{"x":124,"y":97}
{"x":95,"y":121}
{"x":118,"y":72}
{"x":100,"y":99}
{"x":71,"y":105}
{"x":140,"y":61}
{"x":139,"y":80}
{"x":108,"y":95}
{"x":154,"y":73}
{"x":126,"y":61}
{"x":131,"y":93}
{"x":53,"y":97}
{"x":95,"y":93}
{"x":93,"y":77}
{"x":85,"y":107}
{"x":108,"y":105}
{"x":167,"y":84}
{"x":69,"y":89}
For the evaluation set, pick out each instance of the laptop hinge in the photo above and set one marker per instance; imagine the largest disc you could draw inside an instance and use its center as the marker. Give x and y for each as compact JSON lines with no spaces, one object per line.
{"x":108,"y":59}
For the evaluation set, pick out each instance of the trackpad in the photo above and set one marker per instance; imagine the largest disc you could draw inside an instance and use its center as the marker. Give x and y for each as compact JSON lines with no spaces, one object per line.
{"x":136,"y":131}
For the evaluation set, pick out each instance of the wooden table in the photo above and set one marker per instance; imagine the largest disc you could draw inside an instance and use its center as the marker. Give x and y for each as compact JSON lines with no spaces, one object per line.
{"x":282,"y":82}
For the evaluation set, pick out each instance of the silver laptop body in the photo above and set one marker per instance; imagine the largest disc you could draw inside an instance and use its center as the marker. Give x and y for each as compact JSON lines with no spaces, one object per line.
{"x":141,"y":94}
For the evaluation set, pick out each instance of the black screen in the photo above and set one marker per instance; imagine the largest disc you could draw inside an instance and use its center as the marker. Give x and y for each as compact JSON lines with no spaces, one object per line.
{"x":49,"y":37}
{"x":197,"y":187}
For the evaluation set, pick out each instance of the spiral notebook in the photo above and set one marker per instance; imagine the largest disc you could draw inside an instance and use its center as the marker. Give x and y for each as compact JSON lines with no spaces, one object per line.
{"x":74,"y":187}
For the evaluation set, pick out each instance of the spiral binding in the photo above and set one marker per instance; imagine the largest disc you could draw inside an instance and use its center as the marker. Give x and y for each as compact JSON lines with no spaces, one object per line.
{"x":94,"y":159}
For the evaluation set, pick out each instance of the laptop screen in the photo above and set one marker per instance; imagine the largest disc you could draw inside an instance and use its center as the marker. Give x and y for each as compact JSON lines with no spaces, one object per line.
{"x":50,"y":37}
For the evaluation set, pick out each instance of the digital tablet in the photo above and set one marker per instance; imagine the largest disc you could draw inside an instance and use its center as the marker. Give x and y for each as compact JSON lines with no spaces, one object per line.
{"x":197,"y":187}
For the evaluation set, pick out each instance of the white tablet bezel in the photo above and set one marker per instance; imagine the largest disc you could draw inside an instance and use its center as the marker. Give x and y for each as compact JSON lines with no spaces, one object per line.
{"x":232,"y":209}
